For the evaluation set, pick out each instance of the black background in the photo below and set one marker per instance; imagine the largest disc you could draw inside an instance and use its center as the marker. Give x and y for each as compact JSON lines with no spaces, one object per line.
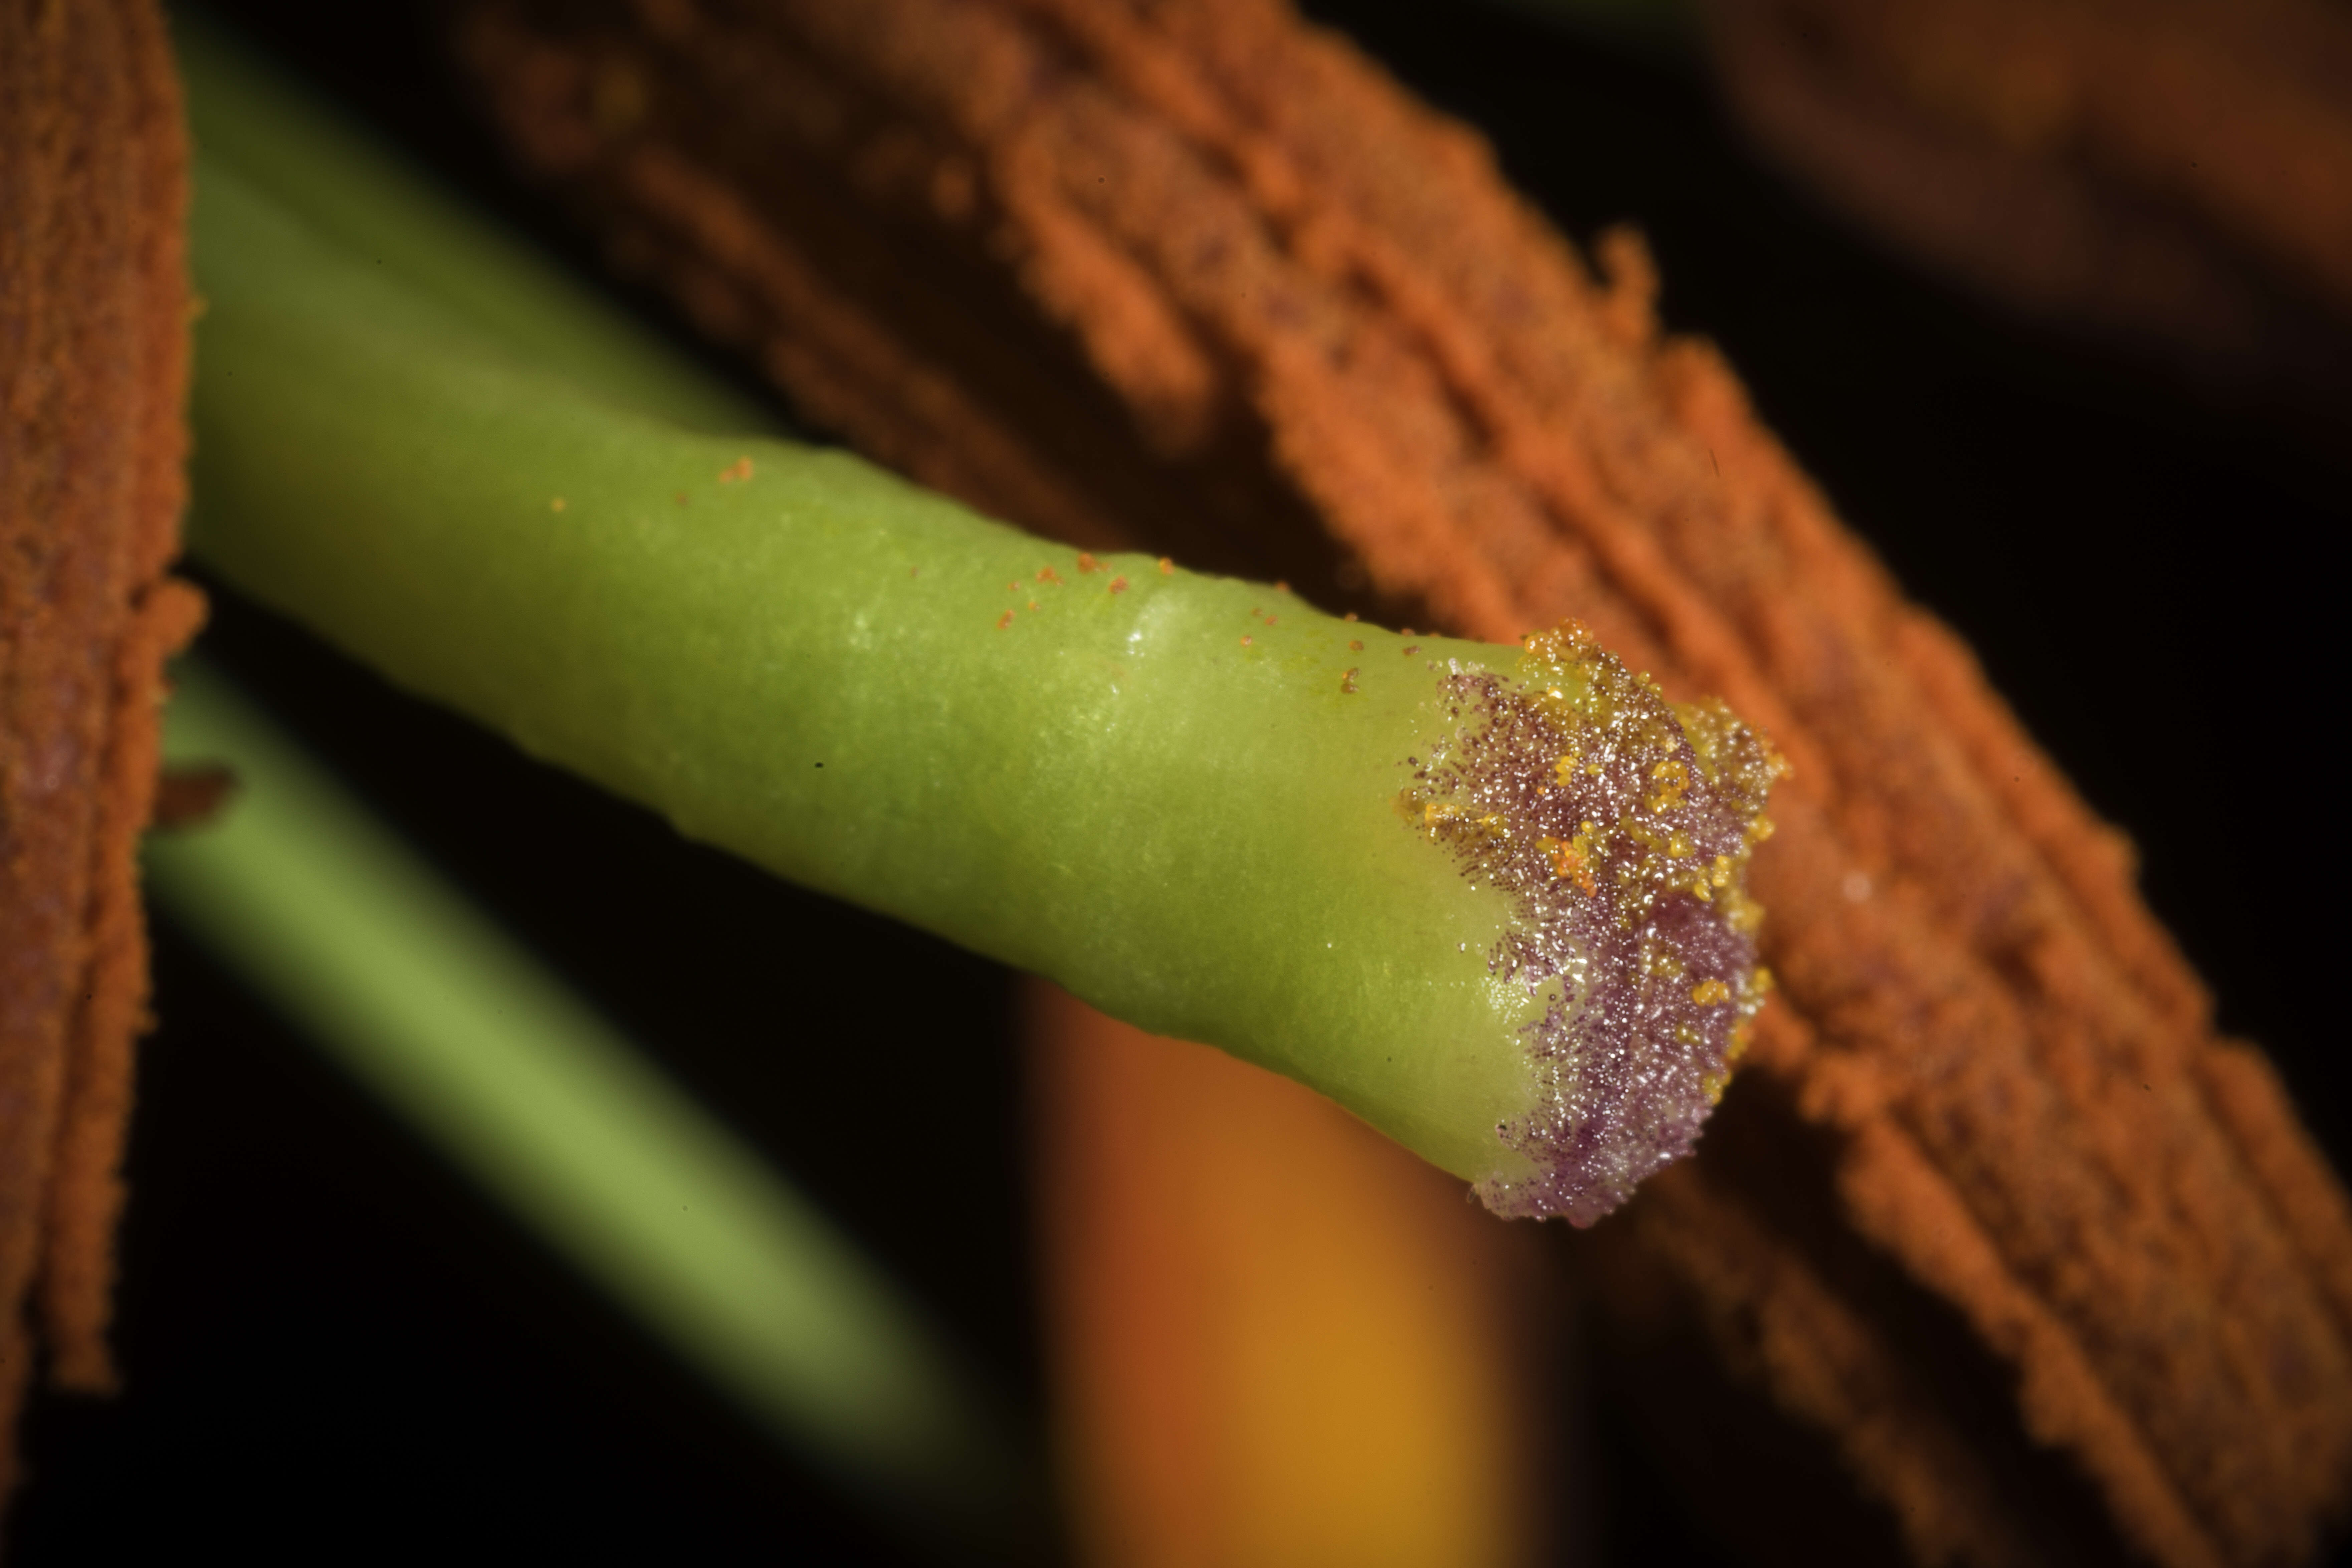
{"x":337,"y":1352}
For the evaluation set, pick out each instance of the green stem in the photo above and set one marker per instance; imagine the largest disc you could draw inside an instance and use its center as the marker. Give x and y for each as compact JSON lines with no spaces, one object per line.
{"x":435,"y":1009}
{"x":1176,"y":795}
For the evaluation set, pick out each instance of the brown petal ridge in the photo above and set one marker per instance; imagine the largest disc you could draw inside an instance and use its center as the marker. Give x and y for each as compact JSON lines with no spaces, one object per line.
{"x":94,"y":309}
{"x":2176,"y":173}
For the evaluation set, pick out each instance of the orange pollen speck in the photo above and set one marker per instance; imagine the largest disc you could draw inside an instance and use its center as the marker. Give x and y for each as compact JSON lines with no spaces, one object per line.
{"x":736,"y":472}
{"x":1118,"y":585}
{"x":1280,"y":586}
{"x":1033,"y":604}
{"x":1086,"y":562}
{"x":1269,"y":621}
{"x":1047,"y":574}
{"x":1348,"y":617}
{"x":1348,"y":683}
{"x":1355,"y":646}
{"x":1004,"y":620}
{"x":555,"y":505}
{"x":1571,"y":859}
{"x":1245,"y":642}
{"x":1412,"y":648}
{"x":1167,"y":567}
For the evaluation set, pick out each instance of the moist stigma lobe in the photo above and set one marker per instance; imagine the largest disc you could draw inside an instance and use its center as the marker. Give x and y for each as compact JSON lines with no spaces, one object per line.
{"x":1620,"y":827}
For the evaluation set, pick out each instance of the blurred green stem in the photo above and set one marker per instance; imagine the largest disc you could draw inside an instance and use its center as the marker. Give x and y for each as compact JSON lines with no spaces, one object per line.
{"x":520,"y":1083}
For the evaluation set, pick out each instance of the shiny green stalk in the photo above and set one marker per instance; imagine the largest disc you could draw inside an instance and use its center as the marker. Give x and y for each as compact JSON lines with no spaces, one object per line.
{"x":1181,"y":797}
{"x":838,"y":676}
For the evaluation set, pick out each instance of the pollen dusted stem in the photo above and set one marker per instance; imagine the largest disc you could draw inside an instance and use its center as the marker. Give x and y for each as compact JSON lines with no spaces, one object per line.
{"x":1175,"y":794}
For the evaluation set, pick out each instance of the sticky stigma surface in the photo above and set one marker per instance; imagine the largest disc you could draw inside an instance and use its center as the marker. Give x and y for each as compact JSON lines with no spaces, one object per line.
{"x":1620,"y":827}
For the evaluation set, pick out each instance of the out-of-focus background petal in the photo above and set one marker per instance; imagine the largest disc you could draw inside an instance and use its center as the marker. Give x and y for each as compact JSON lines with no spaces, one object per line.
{"x":1276,"y":1337}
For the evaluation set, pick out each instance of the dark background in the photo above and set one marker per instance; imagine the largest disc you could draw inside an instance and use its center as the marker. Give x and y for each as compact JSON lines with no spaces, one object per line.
{"x":337,"y":1352}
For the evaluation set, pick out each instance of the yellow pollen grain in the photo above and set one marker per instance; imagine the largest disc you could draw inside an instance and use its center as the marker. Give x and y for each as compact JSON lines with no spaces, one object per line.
{"x":1004,"y":620}
{"x":1710,"y":992}
{"x":1348,"y":683}
{"x":1674,"y":779}
{"x":555,"y":505}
